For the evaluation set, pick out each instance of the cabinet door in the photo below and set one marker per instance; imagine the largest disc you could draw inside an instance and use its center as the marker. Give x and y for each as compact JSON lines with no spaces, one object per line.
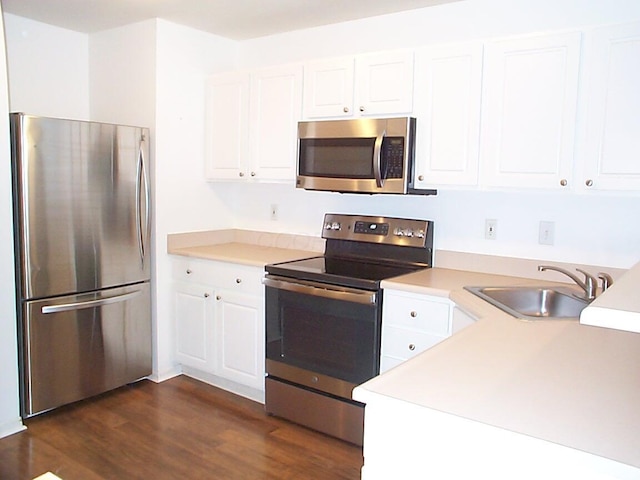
{"x":240,"y":338}
{"x":447,"y":97}
{"x":276,"y":99}
{"x":328,"y":88}
{"x":384,"y":83}
{"x":613,"y":109}
{"x":530,"y":88}
{"x":227,"y":126}
{"x":193,"y":314}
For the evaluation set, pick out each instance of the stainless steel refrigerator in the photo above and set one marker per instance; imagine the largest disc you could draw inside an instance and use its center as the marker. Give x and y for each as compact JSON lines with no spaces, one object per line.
{"x":82,"y":213}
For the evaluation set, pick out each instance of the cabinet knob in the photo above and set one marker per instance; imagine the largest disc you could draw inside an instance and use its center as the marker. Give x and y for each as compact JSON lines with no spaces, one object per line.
{"x":218,"y":297}
{"x":414,"y":314}
{"x":589,"y":183}
{"x":238,"y":280}
{"x":362,"y":108}
{"x":188,"y":271}
{"x":345,"y":109}
{"x":206,"y":295}
{"x":421,"y":177}
{"x":563,"y":182}
{"x":241,"y":174}
{"x":412,"y":347}
{"x":253,"y":174}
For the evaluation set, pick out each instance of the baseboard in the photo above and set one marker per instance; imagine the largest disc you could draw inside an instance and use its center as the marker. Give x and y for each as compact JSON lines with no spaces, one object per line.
{"x":225,"y":384}
{"x":12,"y":427}
{"x":166,"y":375}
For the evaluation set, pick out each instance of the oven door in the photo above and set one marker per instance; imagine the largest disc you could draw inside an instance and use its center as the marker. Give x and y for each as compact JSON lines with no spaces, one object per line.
{"x":320,"y":336}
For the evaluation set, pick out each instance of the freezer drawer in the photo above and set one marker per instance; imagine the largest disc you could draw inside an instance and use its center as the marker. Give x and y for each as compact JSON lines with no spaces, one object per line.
{"x":77,"y":346}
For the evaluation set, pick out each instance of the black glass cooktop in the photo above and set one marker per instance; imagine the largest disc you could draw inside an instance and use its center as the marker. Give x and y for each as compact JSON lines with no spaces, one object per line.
{"x":341,"y":271}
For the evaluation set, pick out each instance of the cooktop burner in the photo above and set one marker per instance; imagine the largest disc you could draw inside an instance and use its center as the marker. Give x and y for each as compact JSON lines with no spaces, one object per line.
{"x":361,"y":251}
{"x":341,"y":271}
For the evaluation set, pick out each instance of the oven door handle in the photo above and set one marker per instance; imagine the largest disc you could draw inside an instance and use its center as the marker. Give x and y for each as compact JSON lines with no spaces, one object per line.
{"x":324,"y":291}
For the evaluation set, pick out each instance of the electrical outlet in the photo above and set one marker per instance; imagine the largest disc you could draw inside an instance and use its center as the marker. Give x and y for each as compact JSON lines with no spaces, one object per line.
{"x":490,"y":229}
{"x":546,"y":233}
{"x":274,"y":211}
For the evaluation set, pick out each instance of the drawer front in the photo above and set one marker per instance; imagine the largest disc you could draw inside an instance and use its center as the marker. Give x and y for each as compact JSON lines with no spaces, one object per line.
{"x":417,"y":314}
{"x":404,"y":344}
{"x":239,"y":278}
{"x":221,"y":275}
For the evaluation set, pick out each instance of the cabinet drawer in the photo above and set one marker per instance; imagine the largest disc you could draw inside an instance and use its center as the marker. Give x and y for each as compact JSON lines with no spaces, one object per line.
{"x":222,"y":275}
{"x":238,"y":278}
{"x":404,"y":344}
{"x":418,"y":314}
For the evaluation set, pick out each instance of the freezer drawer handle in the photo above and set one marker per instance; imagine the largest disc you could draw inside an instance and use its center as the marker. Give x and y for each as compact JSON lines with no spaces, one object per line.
{"x":65,"y":307}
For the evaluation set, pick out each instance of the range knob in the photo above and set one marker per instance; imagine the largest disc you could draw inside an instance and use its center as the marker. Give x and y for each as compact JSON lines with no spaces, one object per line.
{"x":335,"y":226}
{"x":420,"y":234}
{"x":398,"y":232}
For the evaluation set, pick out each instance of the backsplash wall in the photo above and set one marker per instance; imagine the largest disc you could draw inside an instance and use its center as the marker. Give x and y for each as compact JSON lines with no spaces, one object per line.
{"x":589,"y":229}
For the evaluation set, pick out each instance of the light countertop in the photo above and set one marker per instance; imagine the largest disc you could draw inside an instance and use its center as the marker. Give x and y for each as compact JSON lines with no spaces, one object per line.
{"x":244,"y":247}
{"x":619,"y":306}
{"x":556,"y":380}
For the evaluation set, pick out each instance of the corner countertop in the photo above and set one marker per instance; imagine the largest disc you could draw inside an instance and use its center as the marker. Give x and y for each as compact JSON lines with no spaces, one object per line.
{"x":619,"y":306}
{"x":244,"y":247}
{"x":556,"y":380}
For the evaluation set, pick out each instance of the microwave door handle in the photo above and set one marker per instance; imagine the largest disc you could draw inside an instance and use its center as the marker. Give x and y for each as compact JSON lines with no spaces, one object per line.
{"x":377,"y":159}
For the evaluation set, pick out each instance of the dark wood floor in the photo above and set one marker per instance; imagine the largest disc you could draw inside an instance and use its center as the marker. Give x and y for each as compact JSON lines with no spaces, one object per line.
{"x":179,"y":429}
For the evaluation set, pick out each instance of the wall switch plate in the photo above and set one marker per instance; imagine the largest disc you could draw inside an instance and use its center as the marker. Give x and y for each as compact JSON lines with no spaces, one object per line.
{"x":490,"y":229}
{"x":546,"y":233}
{"x":274,"y":211}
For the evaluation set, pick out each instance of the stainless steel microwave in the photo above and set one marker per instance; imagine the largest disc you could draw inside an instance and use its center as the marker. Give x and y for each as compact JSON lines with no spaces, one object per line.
{"x":367,"y":155}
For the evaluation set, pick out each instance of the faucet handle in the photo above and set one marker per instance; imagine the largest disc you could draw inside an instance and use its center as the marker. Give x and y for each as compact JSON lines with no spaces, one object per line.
{"x":590,"y":282}
{"x":607,"y":281}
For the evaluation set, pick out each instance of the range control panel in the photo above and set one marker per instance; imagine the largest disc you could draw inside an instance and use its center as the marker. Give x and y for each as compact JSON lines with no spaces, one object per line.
{"x":391,"y":231}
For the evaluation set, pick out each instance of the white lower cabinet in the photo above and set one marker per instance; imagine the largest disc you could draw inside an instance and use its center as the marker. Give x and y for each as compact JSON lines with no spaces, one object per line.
{"x":412,"y":323}
{"x":193,"y":314}
{"x":219,"y":322}
{"x":239,"y":341}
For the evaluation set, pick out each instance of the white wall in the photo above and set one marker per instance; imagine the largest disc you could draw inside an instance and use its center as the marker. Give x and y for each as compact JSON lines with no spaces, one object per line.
{"x":183,"y":200}
{"x":597,"y":229}
{"x":122,"y":64}
{"x":9,"y":407}
{"x":49,"y":69}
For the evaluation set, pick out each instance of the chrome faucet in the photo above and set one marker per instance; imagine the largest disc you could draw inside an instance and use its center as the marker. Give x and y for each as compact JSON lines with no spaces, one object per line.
{"x":589,"y":284}
{"x":606,"y":280}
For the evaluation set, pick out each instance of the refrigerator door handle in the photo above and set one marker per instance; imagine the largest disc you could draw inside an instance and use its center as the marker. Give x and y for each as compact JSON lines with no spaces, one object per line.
{"x":65,"y":307}
{"x":142,"y":194}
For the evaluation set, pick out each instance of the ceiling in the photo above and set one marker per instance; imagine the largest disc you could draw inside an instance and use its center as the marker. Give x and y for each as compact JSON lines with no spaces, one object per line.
{"x":235,"y":19}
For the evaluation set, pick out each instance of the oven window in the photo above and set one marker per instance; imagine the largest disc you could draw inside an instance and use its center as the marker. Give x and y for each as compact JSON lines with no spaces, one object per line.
{"x":337,"y":157}
{"x":335,"y":338}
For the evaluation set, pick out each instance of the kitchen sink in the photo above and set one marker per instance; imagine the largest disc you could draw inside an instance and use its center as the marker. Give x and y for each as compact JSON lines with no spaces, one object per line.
{"x":534,"y":303}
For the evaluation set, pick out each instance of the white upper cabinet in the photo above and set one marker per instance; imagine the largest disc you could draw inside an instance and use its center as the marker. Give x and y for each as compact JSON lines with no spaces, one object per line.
{"x":276,"y":102}
{"x":612,"y":139}
{"x":328,"y":88}
{"x":372,"y":84}
{"x":530,"y":90}
{"x":252,"y":124}
{"x":448,"y":88}
{"x":227,"y":126}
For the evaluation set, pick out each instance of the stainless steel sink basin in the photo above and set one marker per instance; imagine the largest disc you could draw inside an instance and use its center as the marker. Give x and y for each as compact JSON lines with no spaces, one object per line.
{"x":534,"y":303}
